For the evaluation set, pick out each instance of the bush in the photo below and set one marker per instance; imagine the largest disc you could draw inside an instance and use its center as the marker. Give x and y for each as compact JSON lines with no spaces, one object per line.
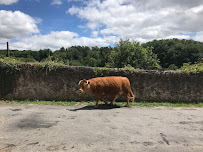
{"x":172,"y":67}
{"x":194,"y":68}
{"x":10,"y":64}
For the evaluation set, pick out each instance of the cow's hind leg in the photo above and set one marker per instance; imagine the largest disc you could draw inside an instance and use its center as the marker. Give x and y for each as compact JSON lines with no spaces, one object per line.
{"x":103,"y":100}
{"x":128,"y":99}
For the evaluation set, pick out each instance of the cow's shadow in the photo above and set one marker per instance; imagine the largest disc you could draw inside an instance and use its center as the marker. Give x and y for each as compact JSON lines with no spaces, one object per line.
{"x":100,"y":107}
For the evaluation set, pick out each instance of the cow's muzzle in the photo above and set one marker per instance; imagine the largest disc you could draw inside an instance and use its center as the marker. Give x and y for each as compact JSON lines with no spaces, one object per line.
{"x":81,"y":90}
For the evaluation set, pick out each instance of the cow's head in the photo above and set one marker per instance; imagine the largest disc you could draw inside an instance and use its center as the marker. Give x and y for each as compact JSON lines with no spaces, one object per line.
{"x":84,"y":85}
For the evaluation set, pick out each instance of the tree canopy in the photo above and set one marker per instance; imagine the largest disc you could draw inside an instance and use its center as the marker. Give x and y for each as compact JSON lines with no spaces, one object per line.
{"x":127,"y":53}
{"x":175,"y":52}
{"x":156,"y":54}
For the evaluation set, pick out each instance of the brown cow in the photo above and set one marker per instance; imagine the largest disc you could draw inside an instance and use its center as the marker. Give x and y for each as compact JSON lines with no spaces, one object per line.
{"x":108,"y":86}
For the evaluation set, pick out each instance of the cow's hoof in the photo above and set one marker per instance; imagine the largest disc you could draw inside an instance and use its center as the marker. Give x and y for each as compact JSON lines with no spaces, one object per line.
{"x":111,"y":105}
{"x":127,"y":105}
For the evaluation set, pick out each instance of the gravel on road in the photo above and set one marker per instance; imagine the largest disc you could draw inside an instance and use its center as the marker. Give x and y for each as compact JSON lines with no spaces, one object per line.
{"x":85,"y":129}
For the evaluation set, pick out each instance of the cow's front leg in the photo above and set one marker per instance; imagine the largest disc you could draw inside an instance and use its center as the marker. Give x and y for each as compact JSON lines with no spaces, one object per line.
{"x":114,"y":99}
{"x":97,"y":101}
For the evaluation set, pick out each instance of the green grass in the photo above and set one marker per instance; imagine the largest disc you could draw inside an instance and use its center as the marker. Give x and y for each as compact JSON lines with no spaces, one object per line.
{"x":92,"y":103}
{"x":167,"y":104}
{"x":38,"y":102}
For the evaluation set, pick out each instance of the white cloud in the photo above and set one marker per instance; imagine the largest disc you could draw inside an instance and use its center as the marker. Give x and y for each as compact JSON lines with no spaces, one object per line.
{"x":56,"y":2}
{"x":8,"y":2}
{"x":76,"y":1}
{"x":143,"y":20}
{"x":53,"y":40}
{"x":56,"y":40}
{"x":136,"y":20}
{"x":15,"y":24}
{"x":73,"y":10}
{"x":199,"y":36}
{"x":94,"y":34}
{"x":22,"y":33}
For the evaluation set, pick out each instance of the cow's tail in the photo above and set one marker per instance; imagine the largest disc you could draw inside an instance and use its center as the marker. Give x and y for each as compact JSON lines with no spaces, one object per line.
{"x":132,"y":96}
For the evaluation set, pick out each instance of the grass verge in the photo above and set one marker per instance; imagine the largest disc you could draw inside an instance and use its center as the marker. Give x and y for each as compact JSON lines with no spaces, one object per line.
{"x":91,"y":103}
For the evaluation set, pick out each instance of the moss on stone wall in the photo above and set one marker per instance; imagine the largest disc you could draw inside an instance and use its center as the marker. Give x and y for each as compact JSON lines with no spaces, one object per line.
{"x":7,"y":80}
{"x":100,"y":71}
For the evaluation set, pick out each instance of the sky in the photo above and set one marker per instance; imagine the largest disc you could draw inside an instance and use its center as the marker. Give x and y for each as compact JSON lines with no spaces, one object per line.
{"x":42,"y":24}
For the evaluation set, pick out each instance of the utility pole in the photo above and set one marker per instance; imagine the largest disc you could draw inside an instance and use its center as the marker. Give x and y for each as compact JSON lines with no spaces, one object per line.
{"x":8,"y":53}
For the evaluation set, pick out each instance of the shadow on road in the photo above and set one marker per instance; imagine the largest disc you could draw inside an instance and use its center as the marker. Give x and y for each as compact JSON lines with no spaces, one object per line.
{"x":100,"y":107}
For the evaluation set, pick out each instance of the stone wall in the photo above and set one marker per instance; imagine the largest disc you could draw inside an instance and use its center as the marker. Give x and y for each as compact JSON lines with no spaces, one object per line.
{"x":62,"y":84}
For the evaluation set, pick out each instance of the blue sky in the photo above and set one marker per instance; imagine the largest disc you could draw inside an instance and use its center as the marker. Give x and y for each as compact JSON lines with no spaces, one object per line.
{"x":39,"y":24}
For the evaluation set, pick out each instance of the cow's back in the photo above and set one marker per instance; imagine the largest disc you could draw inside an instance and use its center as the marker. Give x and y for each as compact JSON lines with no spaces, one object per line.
{"x":112,"y":85}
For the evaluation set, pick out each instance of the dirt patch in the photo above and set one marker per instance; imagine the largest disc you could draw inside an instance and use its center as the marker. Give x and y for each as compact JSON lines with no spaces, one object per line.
{"x":34,"y":121}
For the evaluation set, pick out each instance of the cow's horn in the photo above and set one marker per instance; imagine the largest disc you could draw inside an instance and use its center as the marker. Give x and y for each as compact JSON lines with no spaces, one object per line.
{"x":79,"y":82}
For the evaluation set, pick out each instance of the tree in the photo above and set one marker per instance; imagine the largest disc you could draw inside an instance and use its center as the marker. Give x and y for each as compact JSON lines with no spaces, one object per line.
{"x":104,"y":56}
{"x":127,"y":53}
{"x":175,"y":51}
{"x":43,"y":54}
{"x":92,"y":62}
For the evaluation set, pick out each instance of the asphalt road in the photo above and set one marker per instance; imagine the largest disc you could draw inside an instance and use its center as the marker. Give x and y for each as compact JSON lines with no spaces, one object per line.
{"x":85,"y":129}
